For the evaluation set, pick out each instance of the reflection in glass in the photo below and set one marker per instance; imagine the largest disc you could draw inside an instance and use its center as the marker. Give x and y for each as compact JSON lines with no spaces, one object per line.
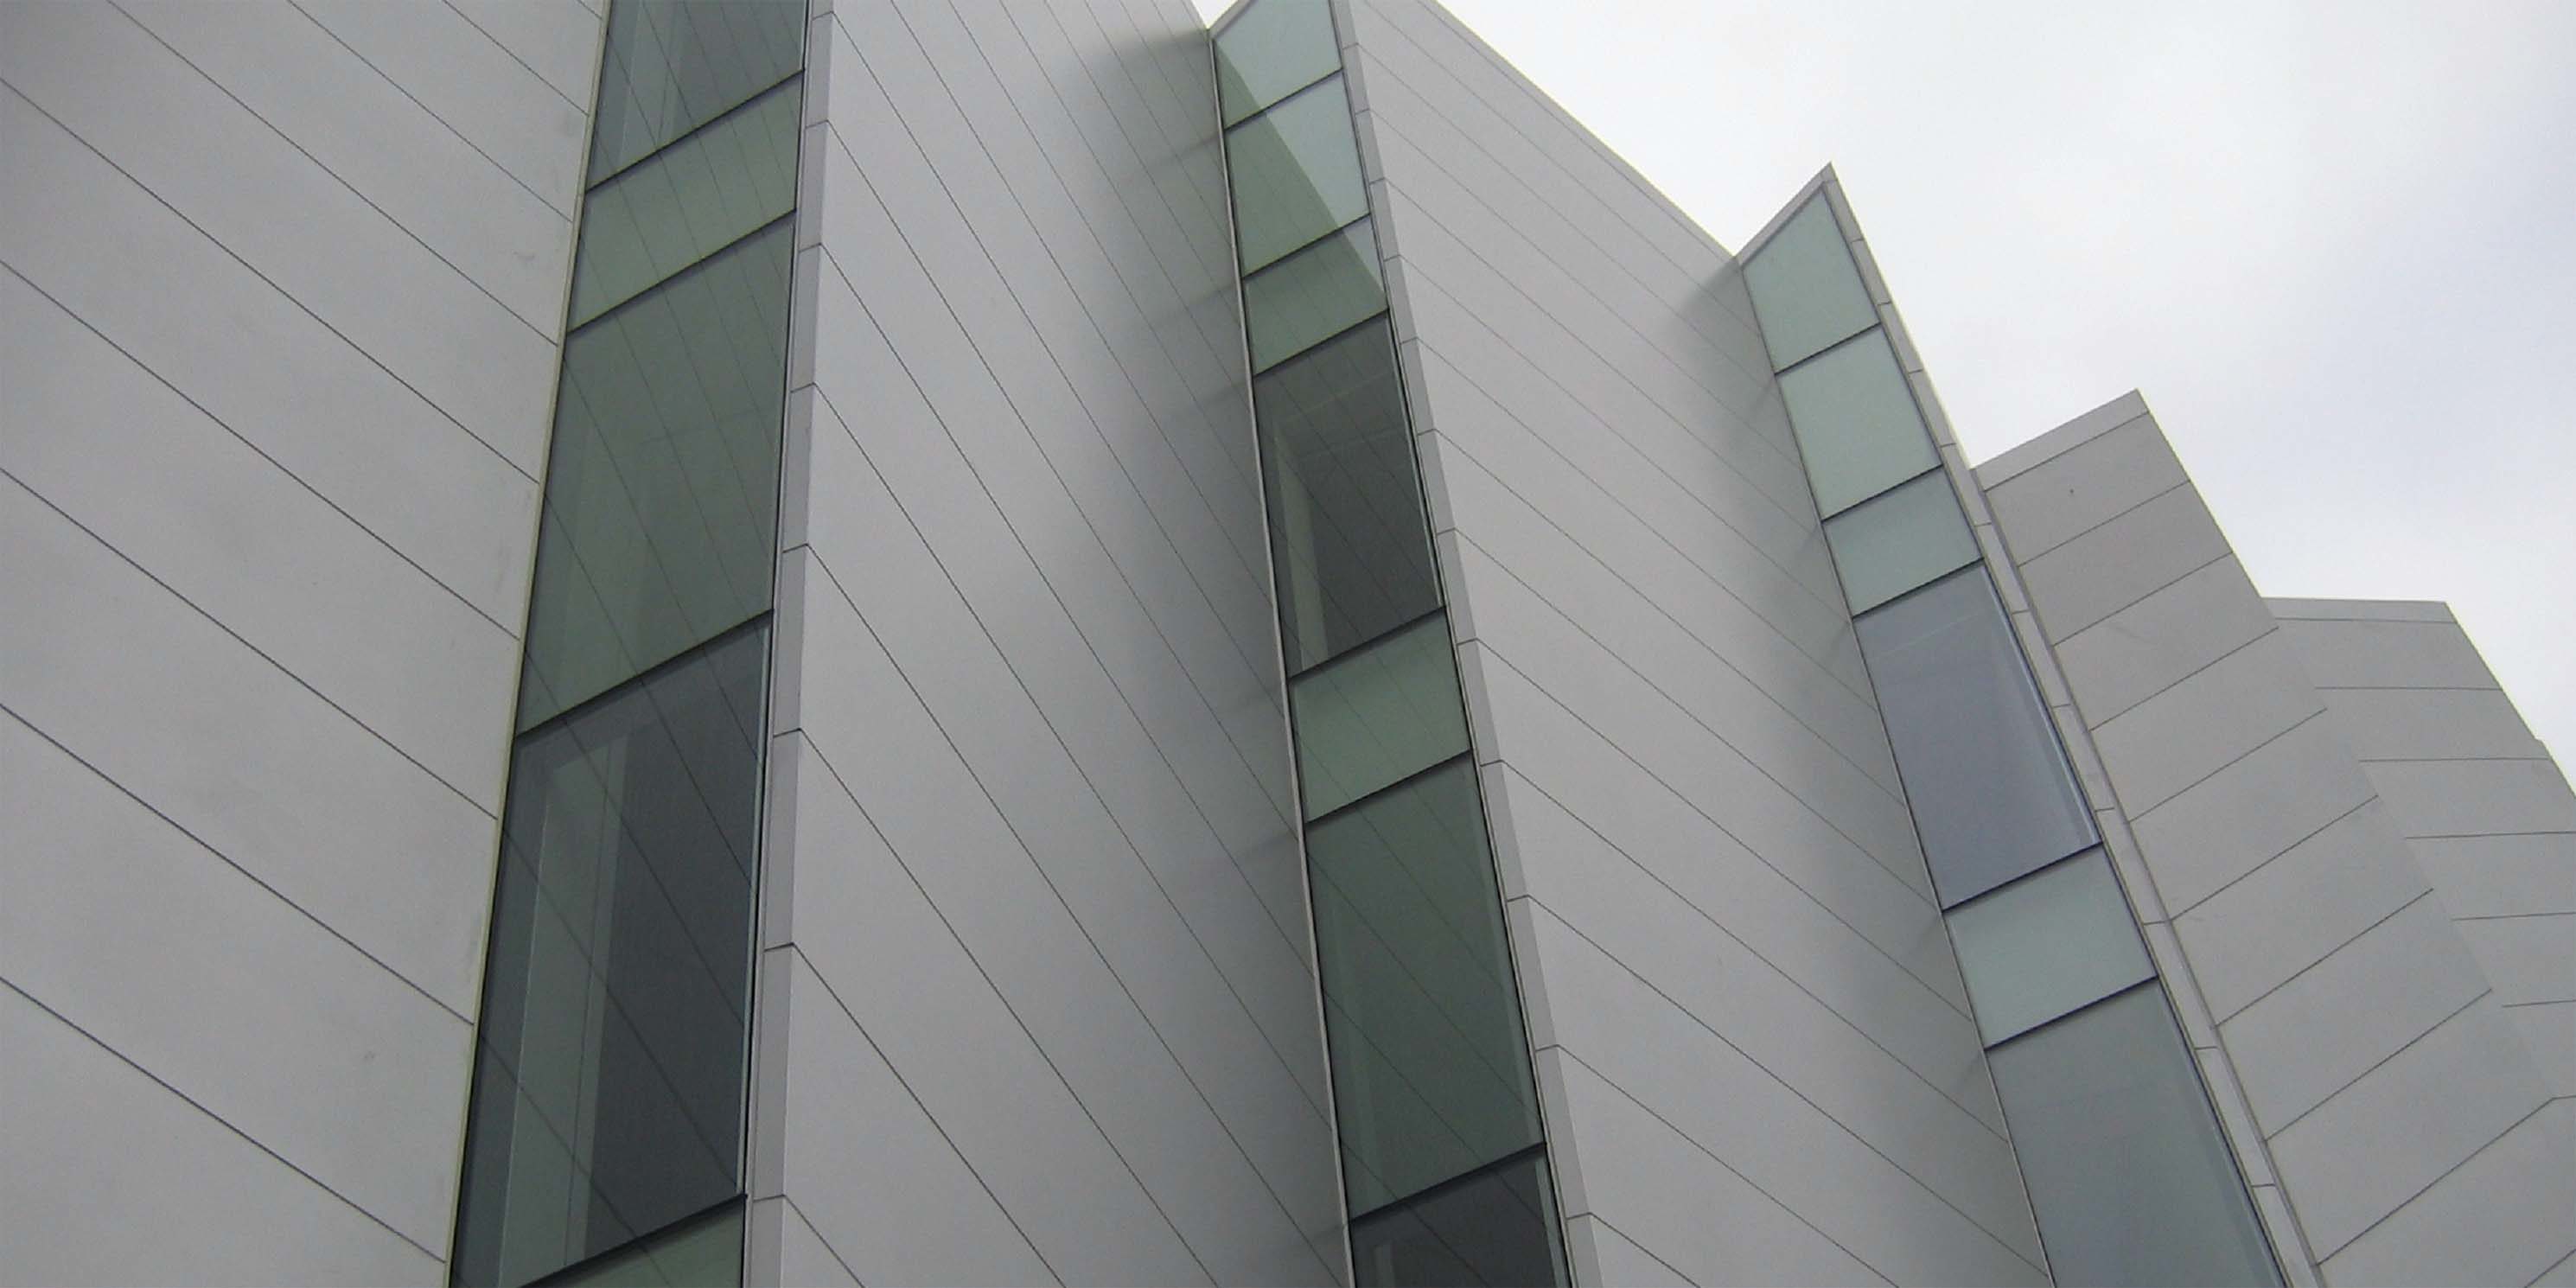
{"x":673,"y":65}
{"x":1898,"y":540}
{"x":1991,"y":792}
{"x":1296,"y":174}
{"x":1270,"y":50}
{"x":1496,"y":1228}
{"x":2047,"y":944}
{"x":609,"y":1061}
{"x":687,"y":201}
{"x":704,"y":1252}
{"x":1348,"y":537}
{"x":1312,"y":294}
{"x":662,"y":490}
{"x":1377,"y":714}
{"x":1856,"y":422}
{"x":2128,"y":1175}
{"x":1430,"y":1070}
{"x":1806,"y":290}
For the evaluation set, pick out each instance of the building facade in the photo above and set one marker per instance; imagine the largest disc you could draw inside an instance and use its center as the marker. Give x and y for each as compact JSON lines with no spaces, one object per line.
{"x":979,"y":641}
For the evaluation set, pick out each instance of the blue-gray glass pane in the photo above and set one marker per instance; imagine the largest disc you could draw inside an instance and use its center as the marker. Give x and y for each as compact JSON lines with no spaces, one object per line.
{"x":1497,"y":1228}
{"x":1992,"y":795}
{"x":1898,"y":540}
{"x":609,"y":1085}
{"x":1856,"y":422}
{"x":705,"y":1252}
{"x":1296,"y":174}
{"x":1430,"y":1069}
{"x":686,"y":202}
{"x":1312,"y":294}
{"x":2047,"y":944}
{"x":1807,"y":291}
{"x":1348,"y":541}
{"x":1271,"y":50}
{"x":660,"y":521}
{"x":2128,"y":1175}
{"x":1377,"y":714}
{"x":671,"y":66}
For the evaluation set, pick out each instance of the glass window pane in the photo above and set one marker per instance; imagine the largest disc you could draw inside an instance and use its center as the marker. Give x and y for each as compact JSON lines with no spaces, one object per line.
{"x":703,"y":1253}
{"x":674,"y":65}
{"x":1377,"y":714}
{"x":1806,"y":289}
{"x":2128,"y":1175}
{"x":1992,"y":795}
{"x":1856,"y":422}
{"x":1430,"y":1069}
{"x":1898,"y":540}
{"x":2047,"y":944}
{"x":609,"y":1080}
{"x":1498,"y":1228}
{"x":1312,"y":294}
{"x":1348,"y":537}
{"x":662,"y":491}
{"x":688,"y":201}
{"x":1296,"y":172}
{"x":1272,"y":49}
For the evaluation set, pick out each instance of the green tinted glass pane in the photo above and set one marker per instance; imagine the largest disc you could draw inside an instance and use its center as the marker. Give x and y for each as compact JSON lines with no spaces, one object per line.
{"x":1856,"y":422}
{"x":1348,"y":540}
{"x":687,"y":201}
{"x":1430,"y":1069}
{"x":703,"y":1253}
{"x":673,"y":65}
{"x":661,"y":494}
{"x":1296,"y":173}
{"x":1271,"y":50}
{"x":1312,"y":294}
{"x":609,"y":1085}
{"x":1806,"y":289}
{"x":1898,"y":540}
{"x":2047,"y":944}
{"x":1497,"y":1228}
{"x":1376,"y":714}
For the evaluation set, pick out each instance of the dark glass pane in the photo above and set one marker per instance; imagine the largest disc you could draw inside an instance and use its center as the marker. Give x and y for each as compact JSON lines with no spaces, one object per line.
{"x":1377,"y":714}
{"x":660,"y":521}
{"x":1806,"y":290}
{"x":609,"y":1087}
{"x":1497,"y":1228}
{"x":1296,"y":174}
{"x":1348,"y":538}
{"x":1857,"y":426}
{"x":703,"y":1252}
{"x":1271,"y":50}
{"x":674,"y":65}
{"x":688,"y":201}
{"x":1312,"y":294}
{"x":1430,"y":1067}
{"x":1991,"y":791}
{"x":2128,"y":1175}
{"x":1898,"y":540}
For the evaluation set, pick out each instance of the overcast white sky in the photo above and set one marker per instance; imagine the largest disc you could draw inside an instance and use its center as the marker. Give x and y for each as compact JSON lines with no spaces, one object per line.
{"x":2334,"y":243}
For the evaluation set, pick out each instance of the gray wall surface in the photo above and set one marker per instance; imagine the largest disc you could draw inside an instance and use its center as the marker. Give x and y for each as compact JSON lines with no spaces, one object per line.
{"x":1753,"y":1045}
{"x":283,"y":295}
{"x":2332,"y":999}
{"x":1038,"y":998}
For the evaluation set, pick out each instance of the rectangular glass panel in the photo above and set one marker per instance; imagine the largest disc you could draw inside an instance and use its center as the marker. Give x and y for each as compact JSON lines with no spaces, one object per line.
{"x":702,"y":1253}
{"x":1498,"y":1228}
{"x":1271,"y":50}
{"x":660,"y":521}
{"x":2128,"y":1175}
{"x":1312,"y":294}
{"x":1377,"y":714}
{"x":1856,"y":422}
{"x":1430,"y":1069}
{"x":2047,"y":944}
{"x":609,"y":1086}
{"x":1348,"y":537}
{"x":1991,"y":791}
{"x":1806,"y":289}
{"x":688,"y":201}
{"x":1296,"y":173}
{"x":1898,"y":540}
{"x":673,"y":65}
